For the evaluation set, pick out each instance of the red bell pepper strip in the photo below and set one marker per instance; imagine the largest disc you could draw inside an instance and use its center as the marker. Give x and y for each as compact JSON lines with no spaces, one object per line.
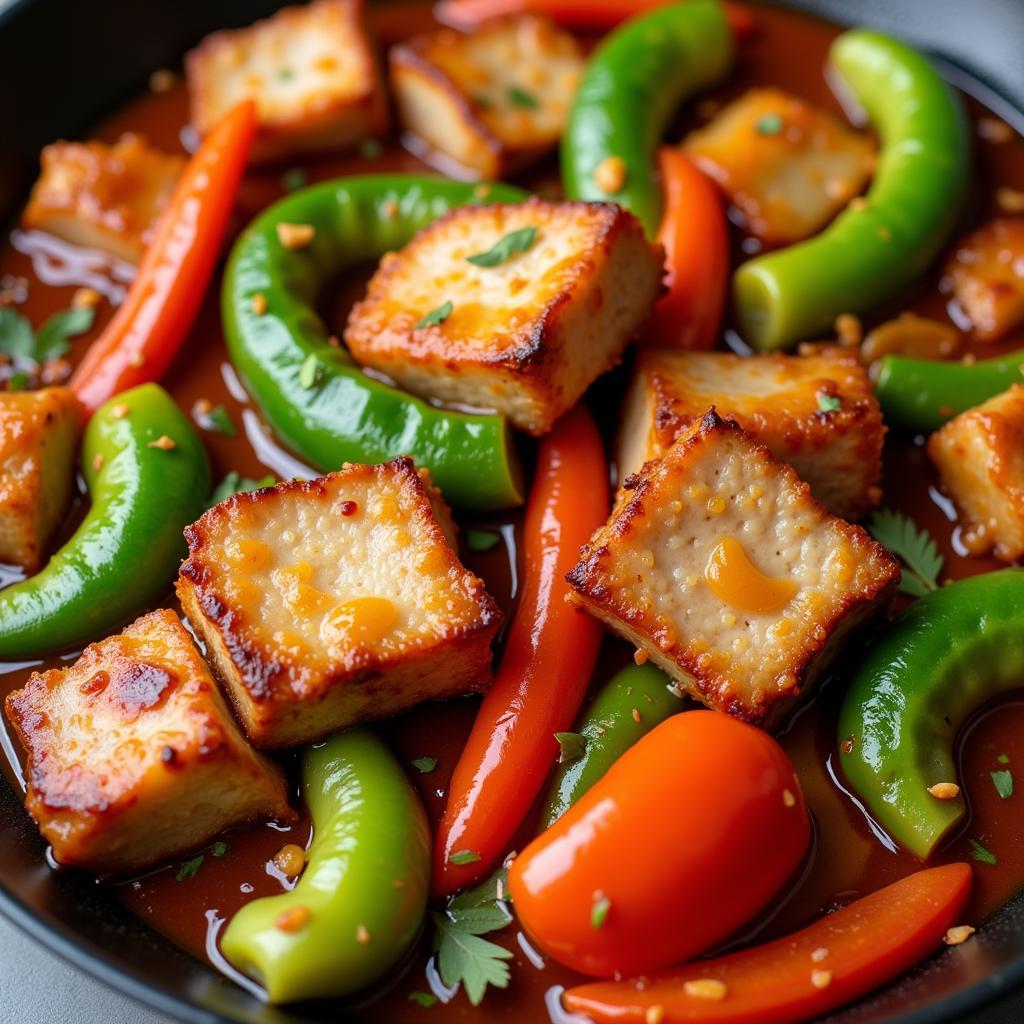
{"x":155,"y":317}
{"x":695,"y":235}
{"x":595,"y":15}
{"x":546,"y":667}
{"x":837,"y":959}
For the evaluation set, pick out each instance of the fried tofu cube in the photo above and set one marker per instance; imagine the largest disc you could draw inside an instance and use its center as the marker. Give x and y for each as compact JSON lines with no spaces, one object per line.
{"x":980,"y":457}
{"x":986,"y":274}
{"x":788,"y":166}
{"x":133,"y":756}
{"x":103,"y":197}
{"x":311,"y":70}
{"x":333,"y":601}
{"x":718,"y":563}
{"x":491,"y":100}
{"x":816,"y":412}
{"x":527,"y":333}
{"x":38,"y":441}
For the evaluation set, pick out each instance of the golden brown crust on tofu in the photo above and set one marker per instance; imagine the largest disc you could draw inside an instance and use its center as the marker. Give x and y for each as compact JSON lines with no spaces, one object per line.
{"x":333,"y":601}
{"x":526,"y":337}
{"x":133,"y":756}
{"x":312,"y":71}
{"x":784,"y":401}
{"x":980,"y":456}
{"x":103,"y":197}
{"x":38,"y":439}
{"x":490,"y":100}
{"x":788,"y":166}
{"x":756,"y":646}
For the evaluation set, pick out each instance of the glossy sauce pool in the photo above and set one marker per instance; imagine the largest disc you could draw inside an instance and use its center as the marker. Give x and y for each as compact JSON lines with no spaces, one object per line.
{"x":848,"y":858}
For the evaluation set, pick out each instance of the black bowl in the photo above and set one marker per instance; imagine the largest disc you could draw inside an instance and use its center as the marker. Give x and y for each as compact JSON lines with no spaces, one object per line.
{"x":63,"y":64}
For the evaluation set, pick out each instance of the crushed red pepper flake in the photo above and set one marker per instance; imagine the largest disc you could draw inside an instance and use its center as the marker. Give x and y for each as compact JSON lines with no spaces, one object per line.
{"x":293,"y":920}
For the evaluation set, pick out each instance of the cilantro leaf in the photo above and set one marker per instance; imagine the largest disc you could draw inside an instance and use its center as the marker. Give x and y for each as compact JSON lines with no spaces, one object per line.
{"x":52,"y":338}
{"x":465,"y":958}
{"x":479,"y":920}
{"x":915,"y":548}
{"x":426,"y":999}
{"x":436,"y":316}
{"x":220,"y":848}
{"x":425,"y":764}
{"x":219,"y":420}
{"x":190,"y":867}
{"x":16,"y":336}
{"x":481,"y":540}
{"x":572,"y":746}
{"x":1003,"y":781}
{"x":829,"y":403}
{"x":505,"y":248}
{"x":234,"y":483}
{"x":18,"y":381}
{"x":521,"y":98}
{"x":464,"y":857}
{"x":979,"y":853}
{"x":489,"y":890}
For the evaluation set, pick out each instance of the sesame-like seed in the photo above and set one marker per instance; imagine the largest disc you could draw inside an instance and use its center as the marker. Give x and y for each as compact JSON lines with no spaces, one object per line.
{"x":716,"y":505}
{"x":398,"y":883}
{"x":958,"y":934}
{"x":295,"y":236}
{"x":705,"y":988}
{"x":884,"y":232}
{"x":389,"y":208}
{"x":636,"y":715}
{"x":137,"y":360}
{"x":85,"y":298}
{"x":290,"y":860}
{"x":362,"y":934}
{"x":1010,"y":200}
{"x":119,"y":411}
{"x":819,"y":954}
{"x":610,"y":174}
{"x":640,"y":657}
{"x":482,"y":191}
{"x":201,"y":408}
{"x":858,"y":203}
{"x":944,"y":790}
{"x":259,"y":303}
{"x":788,"y":799}
{"x":163,"y":442}
{"x":162,"y":80}
{"x":849,"y":329}
{"x":991,"y":129}
{"x":654,"y":1015}
{"x":97,"y":461}
{"x":293,"y":920}
{"x":821,"y":978}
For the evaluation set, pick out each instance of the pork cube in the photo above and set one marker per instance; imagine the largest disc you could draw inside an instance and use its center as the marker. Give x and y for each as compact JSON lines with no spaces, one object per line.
{"x":133,"y":756}
{"x":517,"y":308}
{"x":816,"y":412}
{"x":491,"y":100}
{"x":103,"y":197}
{"x":328,"y":602}
{"x":311,"y":70}
{"x":719,"y":565}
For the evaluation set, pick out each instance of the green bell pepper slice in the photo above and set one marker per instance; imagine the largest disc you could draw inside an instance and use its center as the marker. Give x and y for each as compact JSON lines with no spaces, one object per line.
{"x":945,"y":656}
{"x":873,"y":250}
{"x":633,"y":84}
{"x":626,"y":708}
{"x":314,"y":395}
{"x":360,"y":903}
{"x":129,"y":546}
{"x":922,"y":394}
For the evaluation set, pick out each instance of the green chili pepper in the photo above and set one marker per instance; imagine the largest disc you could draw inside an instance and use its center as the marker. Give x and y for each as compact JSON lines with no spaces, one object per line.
{"x":632,"y":86}
{"x":941,"y":659}
{"x":628,"y":707}
{"x":130,"y":543}
{"x":876,"y":248}
{"x":313,"y":394}
{"x":359,"y":904}
{"x":922,"y":394}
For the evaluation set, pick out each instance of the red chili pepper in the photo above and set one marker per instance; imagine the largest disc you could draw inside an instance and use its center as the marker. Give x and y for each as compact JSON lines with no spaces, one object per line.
{"x":695,"y":235}
{"x":155,"y":317}
{"x":546,"y":667}
{"x":833,"y":961}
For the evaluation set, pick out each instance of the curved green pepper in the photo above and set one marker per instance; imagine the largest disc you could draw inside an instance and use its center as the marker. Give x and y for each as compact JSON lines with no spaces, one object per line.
{"x":922,"y":394}
{"x":359,"y":905}
{"x":875,"y":249}
{"x":941,"y":659}
{"x":632,"y":86}
{"x":313,"y":394}
{"x":628,"y":707}
{"x":130,"y":543}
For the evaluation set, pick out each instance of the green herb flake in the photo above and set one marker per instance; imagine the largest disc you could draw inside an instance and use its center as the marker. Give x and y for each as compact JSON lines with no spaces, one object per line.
{"x":1003,"y":759}
{"x":464,"y":857}
{"x":219,"y":420}
{"x":189,"y":868}
{"x":425,"y":764}
{"x":370,"y":149}
{"x":829,"y":403}
{"x":979,"y":853}
{"x":285,"y":74}
{"x":425,"y":999}
{"x":309,"y":373}
{"x":220,"y":848}
{"x":1003,"y":781}
{"x":770,"y":124}
{"x":235,"y":483}
{"x":16,"y":335}
{"x":505,"y":248}
{"x":521,"y":98}
{"x":599,"y":910}
{"x":481,"y":540}
{"x":17,"y":381}
{"x":571,"y":746}
{"x":463,"y":957}
{"x":913,"y":547}
{"x":483,"y":102}
{"x":485,"y":894}
{"x":52,"y":339}
{"x":294,"y":179}
{"x":436,"y":316}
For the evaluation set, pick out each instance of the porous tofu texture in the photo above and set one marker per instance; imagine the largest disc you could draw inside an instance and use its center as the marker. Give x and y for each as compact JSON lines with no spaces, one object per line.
{"x":786,"y":402}
{"x":719,"y":564}
{"x":133,"y":756}
{"x":788,"y":166}
{"x":490,"y":100}
{"x":328,"y":602}
{"x":38,"y":441}
{"x":526,"y":337}
{"x":312,"y":71}
{"x":103,"y":197}
{"x":980,"y":456}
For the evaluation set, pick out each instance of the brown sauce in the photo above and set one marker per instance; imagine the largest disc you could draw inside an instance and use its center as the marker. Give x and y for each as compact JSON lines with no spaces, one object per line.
{"x":848,"y":859}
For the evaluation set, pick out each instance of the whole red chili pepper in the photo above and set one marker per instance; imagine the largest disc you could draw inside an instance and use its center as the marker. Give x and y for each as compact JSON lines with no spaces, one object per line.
{"x":155,"y":317}
{"x":546,"y":667}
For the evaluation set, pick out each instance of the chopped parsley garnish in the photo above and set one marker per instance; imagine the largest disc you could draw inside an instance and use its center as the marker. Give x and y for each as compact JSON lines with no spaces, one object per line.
{"x":189,"y":868}
{"x":483,"y":102}
{"x":464,"y":857}
{"x":599,"y":910}
{"x":17,"y":381}
{"x":1003,"y":759}
{"x":294,"y":179}
{"x":425,"y":764}
{"x":481,"y":540}
{"x":436,"y":316}
{"x":285,"y":74}
{"x":915,"y":548}
{"x":235,"y":483}
{"x":505,"y":248}
{"x":521,"y":98}
{"x":979,"y":853}
{"x":219,"y":420}
{"x":309,"y":372}
{"x":220,"y":848}
{"x":1003,"y":781}
{"x":571,"y":746}
{"x":426,"y":999}
{"x":770,"y":124}
{"x":51,"y":341}
{"x":829,"y":403}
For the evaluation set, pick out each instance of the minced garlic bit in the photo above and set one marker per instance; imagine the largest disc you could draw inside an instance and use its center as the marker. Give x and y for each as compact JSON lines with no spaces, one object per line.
{"x":119,"y":411}
{"x":788,"y":799}
{"x":958,"y":934}
{"x":821,"y":978}
{"x":705,"y":988}
{"x":610,"y":174}
{"x":163,"y":442}
{"x":849,"y":329}
{"x":162,"y":80}
{"x":259,"y":303}
{"x":1010,"y":200}
{"x":654,"y":1015}
{"x":944,"y":790}
{"x":819,"y":954}
{"x":362,"y":934}
{"x":97,"y":461}
{"x":636,"y":715}
{"x":85,"y":298}
{"x":295,"y":236}
{"x":293,"y":920}
{"x":290,"y":860}
{"x":639,"y":657}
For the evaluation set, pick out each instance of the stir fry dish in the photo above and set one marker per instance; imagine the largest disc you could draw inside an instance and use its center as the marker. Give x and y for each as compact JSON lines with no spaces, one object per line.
{"x":509,"y":510}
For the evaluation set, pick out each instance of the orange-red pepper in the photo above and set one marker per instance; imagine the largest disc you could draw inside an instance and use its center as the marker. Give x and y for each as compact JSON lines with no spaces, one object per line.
{"x":545,"y":669}
{"x":831,"y":962}
{"x":156,"y":315}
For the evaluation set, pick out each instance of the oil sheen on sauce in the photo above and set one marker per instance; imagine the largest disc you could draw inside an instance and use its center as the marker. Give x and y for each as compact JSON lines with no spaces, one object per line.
{"x":848,"y":858}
